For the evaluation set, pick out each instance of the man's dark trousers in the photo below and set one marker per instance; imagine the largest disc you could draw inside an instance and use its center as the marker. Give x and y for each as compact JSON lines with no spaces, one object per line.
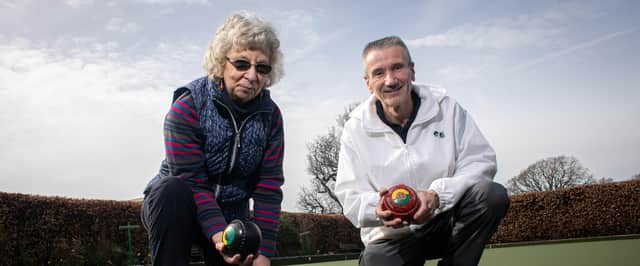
{"x":458,"y":236}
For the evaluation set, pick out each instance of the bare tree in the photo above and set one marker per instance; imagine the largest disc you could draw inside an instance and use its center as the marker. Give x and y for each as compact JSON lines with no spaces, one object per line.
{"x":605,"y":180}
{"x":311,"y":201}
{"x":550,"y":174}
{"x":322,"y":164}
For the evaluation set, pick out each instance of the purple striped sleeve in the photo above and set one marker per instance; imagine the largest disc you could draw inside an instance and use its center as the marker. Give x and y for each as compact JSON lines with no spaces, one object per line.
{"x":267,"y":195}
{"x":186,"y":161}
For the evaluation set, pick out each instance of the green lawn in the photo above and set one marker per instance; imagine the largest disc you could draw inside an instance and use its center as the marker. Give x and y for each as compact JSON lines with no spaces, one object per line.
{"x":604,"y":252}
{"x":619,"y":252}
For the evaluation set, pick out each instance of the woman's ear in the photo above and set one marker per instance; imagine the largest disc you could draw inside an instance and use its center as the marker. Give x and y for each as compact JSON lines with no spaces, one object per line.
{"x":221,"y":84}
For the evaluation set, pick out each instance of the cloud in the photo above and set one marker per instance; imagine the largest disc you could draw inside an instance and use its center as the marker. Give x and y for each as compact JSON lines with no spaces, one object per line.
{"x":504,"y":33}
{"x":300,"y":34}
{"x":11,"y":4}
{"x":296,"y":32}
{"x":81,"y":124}
{"x":175,"y":2}
{"x":513,"y":32}
{"x":87,"y":122}
{"x":573,"y":48}
{"x":78,"y":3}
{"x":118,"y":24}
{"x":456,"y":73}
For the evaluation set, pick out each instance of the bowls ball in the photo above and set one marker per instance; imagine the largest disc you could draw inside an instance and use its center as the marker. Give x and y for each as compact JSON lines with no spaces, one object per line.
{"x":241,"y":237}
{"x":402,"y":201}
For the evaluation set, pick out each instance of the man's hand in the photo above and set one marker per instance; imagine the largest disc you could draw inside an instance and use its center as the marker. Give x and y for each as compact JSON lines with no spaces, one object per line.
{"x":386,"y":215}
{"x":262,"y":260}
{"x":429,"y":202}
{"x":235,"y":259}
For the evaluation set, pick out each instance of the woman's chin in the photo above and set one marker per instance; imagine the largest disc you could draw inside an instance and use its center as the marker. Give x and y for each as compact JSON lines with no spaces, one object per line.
{"x":243,"y":97}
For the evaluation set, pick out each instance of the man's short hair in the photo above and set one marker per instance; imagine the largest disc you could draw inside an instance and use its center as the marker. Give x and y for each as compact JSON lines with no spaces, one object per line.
{"x":385,"y":42}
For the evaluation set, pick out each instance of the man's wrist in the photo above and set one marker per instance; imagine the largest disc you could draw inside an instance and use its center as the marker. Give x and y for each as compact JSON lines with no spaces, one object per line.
{"x":438,"y":204}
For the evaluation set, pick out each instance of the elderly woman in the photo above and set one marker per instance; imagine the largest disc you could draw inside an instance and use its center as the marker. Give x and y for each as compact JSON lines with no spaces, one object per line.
{"x":224,"y":145}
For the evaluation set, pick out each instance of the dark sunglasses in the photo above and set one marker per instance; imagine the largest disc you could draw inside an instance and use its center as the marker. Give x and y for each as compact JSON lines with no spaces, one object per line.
{"x":244,"y":65}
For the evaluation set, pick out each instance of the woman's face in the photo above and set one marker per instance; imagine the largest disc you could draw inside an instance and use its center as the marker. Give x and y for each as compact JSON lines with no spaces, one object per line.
{"x":245,"y":73}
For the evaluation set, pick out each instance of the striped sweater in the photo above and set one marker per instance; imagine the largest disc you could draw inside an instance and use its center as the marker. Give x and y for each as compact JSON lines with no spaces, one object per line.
{"x":226,"y":161}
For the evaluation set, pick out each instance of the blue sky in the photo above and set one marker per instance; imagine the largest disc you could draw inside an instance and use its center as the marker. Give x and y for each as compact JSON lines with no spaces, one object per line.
{"x":85,"y":85}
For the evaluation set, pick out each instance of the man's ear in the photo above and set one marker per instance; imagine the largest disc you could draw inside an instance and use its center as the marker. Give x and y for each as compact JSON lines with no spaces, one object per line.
{"x":366,"y":81}
{"x":413,"y":71}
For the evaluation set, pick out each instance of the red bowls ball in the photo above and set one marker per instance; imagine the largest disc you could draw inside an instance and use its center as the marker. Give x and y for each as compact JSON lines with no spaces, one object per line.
{"x":402,"y":201}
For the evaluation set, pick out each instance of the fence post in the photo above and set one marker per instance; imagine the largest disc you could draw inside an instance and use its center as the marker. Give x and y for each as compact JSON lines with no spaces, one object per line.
{"x":128,"y":227}
{"x":306,"y":242}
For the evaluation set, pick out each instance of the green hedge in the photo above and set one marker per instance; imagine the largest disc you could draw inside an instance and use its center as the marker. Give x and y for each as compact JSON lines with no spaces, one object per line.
{"x":317,"y":234}
{"x":586,"y":211}
{"x":37,"y":230}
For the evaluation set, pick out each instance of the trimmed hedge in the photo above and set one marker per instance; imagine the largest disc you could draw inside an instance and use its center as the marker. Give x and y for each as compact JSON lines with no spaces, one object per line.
{"x":37,"y":230}
{"x":585,"y":211}
{"x":324,"y":233}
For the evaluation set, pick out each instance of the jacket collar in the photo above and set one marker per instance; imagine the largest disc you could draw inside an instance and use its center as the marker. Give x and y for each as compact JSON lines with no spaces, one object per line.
{"x":430,"y":98}
{"x":262,"y":102}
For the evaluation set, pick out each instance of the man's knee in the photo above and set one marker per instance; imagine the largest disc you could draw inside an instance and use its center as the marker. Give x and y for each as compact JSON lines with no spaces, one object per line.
{"x":369,"y":254}
{"x":379,"y":255}
{"x":494,"y":196}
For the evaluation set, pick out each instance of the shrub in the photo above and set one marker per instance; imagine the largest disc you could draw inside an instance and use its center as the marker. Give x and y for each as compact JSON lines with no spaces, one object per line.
{"x":585,"y":211}
{"x":37,"y":230}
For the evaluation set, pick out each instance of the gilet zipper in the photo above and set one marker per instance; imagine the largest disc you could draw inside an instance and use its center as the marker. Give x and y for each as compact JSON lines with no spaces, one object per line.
{"x":236,"y":140}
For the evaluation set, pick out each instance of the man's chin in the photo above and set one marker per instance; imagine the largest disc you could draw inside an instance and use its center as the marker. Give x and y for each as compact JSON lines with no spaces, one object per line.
{"x":390,"y":104}
{"x":393,"y":100}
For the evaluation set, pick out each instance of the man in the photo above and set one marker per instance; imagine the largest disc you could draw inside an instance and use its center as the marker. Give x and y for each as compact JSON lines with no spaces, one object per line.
{"x":418,"y":136}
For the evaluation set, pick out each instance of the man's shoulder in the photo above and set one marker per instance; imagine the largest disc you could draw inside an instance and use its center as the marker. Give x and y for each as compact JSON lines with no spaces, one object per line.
{"x":431,"y":91}
{"x":358,"y":112}
{"x":354,"y":123}
{"x":437,"y":94}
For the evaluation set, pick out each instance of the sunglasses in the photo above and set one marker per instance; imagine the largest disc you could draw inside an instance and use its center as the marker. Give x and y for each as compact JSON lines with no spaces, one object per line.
{"x":244,"y":65}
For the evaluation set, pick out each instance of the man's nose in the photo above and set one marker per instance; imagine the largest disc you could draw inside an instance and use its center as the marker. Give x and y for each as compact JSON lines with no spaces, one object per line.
{"x":390,"y":80}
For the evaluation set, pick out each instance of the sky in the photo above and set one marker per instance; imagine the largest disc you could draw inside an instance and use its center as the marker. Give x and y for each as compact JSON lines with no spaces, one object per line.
{"x":85,"y":85}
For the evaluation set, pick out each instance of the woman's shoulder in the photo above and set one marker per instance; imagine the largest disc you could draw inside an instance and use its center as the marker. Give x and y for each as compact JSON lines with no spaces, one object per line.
{"x":274,"y":114}
{"x":181,"y":93}
{"x":268,"y":102}
{"x":195,"y":91}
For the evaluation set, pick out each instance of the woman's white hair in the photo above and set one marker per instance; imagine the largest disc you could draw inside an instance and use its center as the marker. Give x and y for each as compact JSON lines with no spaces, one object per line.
{"x":244,"y":30}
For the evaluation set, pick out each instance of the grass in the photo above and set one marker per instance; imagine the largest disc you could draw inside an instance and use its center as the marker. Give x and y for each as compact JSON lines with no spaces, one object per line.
{"x":620,"y":252}
{"x":602,"y":252}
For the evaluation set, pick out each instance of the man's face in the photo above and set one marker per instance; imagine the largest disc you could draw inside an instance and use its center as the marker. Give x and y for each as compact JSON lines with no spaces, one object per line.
{"x":389,"y":75}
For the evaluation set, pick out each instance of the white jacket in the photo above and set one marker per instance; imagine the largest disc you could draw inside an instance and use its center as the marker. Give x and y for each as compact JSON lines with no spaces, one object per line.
{"x":373,"y":156}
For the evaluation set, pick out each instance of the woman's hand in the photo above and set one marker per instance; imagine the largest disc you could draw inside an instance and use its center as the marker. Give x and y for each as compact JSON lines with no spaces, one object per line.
{"x":235,"y":259}
{"x":262,"y":260}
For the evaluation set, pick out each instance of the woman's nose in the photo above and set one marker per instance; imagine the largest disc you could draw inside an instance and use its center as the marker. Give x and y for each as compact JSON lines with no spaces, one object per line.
{"x":251,"y":74}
